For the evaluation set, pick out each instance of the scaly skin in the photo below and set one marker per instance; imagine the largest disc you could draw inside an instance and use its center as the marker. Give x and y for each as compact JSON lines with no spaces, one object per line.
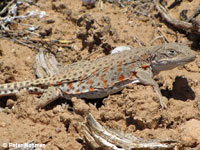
{"x":107,"y":75}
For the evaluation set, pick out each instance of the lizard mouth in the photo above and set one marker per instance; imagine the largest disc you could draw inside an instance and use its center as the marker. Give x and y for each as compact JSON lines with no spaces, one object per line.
{"x":187,"y":60}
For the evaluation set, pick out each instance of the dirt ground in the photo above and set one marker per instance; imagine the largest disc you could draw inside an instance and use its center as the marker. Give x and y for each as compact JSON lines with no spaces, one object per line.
{"x":94,"y":33}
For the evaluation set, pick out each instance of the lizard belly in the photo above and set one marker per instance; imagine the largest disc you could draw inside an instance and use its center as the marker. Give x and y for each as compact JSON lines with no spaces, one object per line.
{"x":102,"y":92}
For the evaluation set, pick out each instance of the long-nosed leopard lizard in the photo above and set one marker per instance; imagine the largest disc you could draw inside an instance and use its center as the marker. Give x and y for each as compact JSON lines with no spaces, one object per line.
{"x":107,"y":75}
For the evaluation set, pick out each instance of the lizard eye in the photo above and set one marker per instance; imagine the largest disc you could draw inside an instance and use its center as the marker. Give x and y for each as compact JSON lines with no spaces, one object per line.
{"x":172,"y":53}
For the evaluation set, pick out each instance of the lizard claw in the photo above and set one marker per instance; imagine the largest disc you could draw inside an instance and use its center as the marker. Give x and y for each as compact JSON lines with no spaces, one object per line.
{"x":163,"y":102}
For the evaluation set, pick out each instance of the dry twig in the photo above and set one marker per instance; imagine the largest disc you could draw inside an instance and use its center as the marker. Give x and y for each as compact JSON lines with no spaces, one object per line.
{"x":193,"y":26}
{"x":99,"y":137}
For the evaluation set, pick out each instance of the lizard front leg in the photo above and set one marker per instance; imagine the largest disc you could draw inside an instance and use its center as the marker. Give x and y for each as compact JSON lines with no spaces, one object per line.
{"x":50,"y":95}
{"x":146,"y":77}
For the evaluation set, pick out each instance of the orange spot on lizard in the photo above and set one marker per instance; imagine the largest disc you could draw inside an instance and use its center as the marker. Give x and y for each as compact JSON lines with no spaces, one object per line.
{"x":90,"y":82}
{"x":91,"y":89}
{"x":145,"y":66}
{"x":121,"y":77}
{"x":95,"y":72}
{"x":104,"y":81}
{"x":59,"y":83}
{"x":132,"y":75}
{"x":70,"y":86}
{"x":119,"y":66}
{"x":144,"y":57}
{"x":106,"y":69}
{"x":82,"y":78}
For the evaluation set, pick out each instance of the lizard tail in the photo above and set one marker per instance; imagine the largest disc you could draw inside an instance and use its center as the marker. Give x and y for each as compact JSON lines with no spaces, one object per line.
{"x":12,"y":88}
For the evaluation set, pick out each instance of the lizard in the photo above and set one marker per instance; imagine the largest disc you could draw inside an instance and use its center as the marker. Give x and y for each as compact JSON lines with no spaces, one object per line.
{"x":106,"y":75}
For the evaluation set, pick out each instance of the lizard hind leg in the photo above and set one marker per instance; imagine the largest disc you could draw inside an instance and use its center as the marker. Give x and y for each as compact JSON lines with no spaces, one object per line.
{"x":50,"y":95}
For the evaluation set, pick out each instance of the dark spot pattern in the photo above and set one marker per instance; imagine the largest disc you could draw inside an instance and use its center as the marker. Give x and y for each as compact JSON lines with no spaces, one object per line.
{"x":15,"y":85}
{"x":27,"y":83}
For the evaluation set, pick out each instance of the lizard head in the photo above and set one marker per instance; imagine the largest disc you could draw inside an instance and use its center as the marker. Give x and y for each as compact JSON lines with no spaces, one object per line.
{"x":171,"y":55}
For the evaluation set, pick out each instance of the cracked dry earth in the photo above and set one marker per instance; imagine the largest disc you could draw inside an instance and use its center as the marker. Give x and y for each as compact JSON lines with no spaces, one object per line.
{"x":134,"y":110}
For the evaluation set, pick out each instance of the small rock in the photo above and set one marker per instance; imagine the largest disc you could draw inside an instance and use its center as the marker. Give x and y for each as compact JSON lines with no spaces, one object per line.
{"x":10,"y":103}
{"x":2,"y":124}
{"x":46,"y":32}
{"x":198,"y":63}
{"x":62,"y":6}
{"x":49,"y":21}
{"x":88,"y":3}
{"x":57,"y":109}
{"x":65,"y":118}
{"x":190,"y":132}
{"x":80,"y":107}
